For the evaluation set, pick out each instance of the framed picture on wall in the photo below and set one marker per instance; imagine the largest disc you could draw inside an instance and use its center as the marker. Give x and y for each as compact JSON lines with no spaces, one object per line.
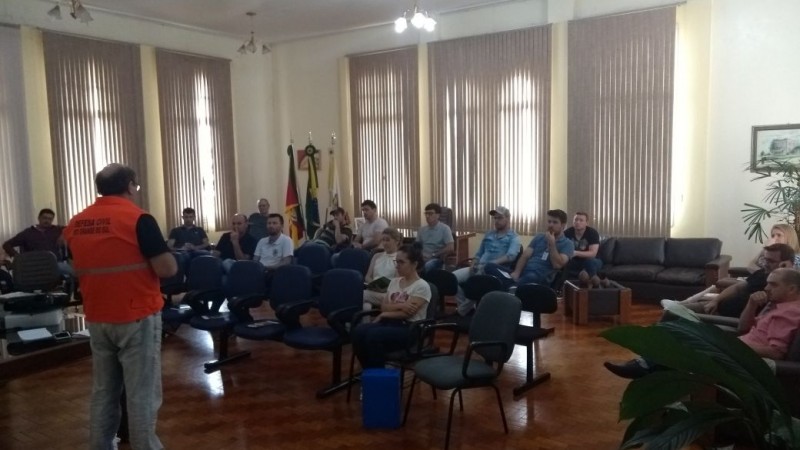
{"x":775,"y":142}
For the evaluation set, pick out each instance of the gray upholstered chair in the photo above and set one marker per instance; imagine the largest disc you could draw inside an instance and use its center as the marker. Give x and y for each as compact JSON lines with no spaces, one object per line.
{"x":491,"y":337}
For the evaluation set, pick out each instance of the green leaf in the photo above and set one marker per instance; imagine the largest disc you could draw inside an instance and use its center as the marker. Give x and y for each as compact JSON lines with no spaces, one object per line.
{"x":658,"y":390}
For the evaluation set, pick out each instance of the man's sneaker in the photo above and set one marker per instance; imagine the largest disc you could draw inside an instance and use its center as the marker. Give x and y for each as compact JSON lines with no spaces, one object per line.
{"x":584,"y":280}
{"x":635,"y":368}
{"x":595,"y":281}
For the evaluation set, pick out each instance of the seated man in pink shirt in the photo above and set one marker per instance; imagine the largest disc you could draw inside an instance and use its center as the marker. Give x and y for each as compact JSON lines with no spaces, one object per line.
{"x":771,"y":320}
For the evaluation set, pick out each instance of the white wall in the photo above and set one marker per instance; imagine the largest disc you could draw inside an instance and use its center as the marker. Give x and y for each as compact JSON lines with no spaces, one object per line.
{"x":753,"y":81}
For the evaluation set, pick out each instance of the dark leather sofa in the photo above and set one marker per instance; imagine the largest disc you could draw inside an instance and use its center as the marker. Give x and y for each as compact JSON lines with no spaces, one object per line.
{"x":656,"y":268}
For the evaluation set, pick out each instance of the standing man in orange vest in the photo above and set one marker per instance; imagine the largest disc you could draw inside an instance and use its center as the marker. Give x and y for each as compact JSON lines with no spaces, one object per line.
{"x":119,"y":254}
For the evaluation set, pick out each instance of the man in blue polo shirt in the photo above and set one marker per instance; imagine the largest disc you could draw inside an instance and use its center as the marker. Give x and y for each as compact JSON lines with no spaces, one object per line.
{"x":499,"y":247}
{"x":547,"y":253}
{"x":436,"y":238}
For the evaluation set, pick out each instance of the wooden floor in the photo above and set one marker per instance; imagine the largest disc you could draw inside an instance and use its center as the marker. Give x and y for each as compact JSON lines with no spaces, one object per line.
{"x":268,"y":401}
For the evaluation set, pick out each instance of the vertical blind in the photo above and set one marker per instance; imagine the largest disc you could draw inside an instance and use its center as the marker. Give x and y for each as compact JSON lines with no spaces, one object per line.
{"x":620,"y":121}
{"x":490,"y":126}
{"x":16,"y":209}
{"x":384,"y":115}
{"x":197,"y":137}
{"x":94,"y":98}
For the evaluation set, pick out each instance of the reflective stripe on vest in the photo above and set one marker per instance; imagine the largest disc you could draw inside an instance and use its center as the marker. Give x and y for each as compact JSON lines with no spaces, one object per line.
{"x":113,"y":269}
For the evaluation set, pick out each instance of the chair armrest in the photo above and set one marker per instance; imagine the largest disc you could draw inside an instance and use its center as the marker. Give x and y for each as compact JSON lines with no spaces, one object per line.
{"x":289,"y":313}
{"x":717,"y":269}
{"x":198,"y":298}
{"x":359,"y":316}
{"x":240,"y":305}
{"x":738,"y":272}
{"x":448,"y":326}
{"x":723,"y":321}
{"x":339,"y":318}
{"x":787,"y":369}
{"x":478,"y":344}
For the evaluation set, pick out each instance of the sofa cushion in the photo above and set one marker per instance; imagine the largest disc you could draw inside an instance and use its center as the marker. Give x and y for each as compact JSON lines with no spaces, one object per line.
{"x":606,"y":250}
{"x":634,"y":250}
{"x":691,"y":252}
{"x":640,"y":272}
{"x":682,"y":275}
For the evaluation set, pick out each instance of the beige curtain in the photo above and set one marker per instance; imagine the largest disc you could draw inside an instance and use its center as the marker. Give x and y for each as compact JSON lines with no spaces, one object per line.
{"x":490,"y":126}
{"x":16,"y":210}
{"x":94,"y":97}
{"x":620,"y":121}
{"x":197,"y":137}
{"x":384,"y":115}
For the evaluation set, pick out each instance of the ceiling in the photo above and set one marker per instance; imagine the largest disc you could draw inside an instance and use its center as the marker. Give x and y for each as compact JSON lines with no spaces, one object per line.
{"x":278,"y":20}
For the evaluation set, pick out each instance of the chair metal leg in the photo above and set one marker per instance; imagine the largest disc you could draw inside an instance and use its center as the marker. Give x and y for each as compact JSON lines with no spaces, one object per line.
{"x":224,"y":358}
{"x":531,"y":381}
{"x":350,"y":378}
{"x":337,"y":384}
{"x":502,"y":411}
{"x":410,"y":396}
{"x":450,"y":416}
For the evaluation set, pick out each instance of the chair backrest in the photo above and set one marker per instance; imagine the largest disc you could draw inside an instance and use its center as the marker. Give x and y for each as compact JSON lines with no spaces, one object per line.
{"x":175,"y":283}
{"x":446,"y":217}
{"x":205,"y":272}
{"x":433,"y":304}
{"x":6,"y":282}
{"x":537,"y":299}
{"x":341,"y":288}
{"x":35,"y":271}
{"x":316,"y":257}
{"x":354,"y":258}
{"x":496,"y":319}
{"x":291,"y":282}
{"x":445,"y":281}
{"x":244,"y":278}
{"x":477,"y":286}
{"x":794,"y":348}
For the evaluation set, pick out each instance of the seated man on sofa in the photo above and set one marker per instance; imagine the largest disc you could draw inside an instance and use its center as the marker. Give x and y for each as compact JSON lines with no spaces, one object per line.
{"x":547,"y":253}
{"x":584,"y":264}
{"x":771,"y":319}
{"x":731,"y":300}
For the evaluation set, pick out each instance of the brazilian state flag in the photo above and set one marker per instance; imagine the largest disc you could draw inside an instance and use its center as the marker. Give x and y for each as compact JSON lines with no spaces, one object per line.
{"x":293,"y":214}
{"x":312,"y":204}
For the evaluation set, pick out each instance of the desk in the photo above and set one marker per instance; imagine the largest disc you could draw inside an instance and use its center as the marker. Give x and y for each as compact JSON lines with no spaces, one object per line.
{"x":461,"y":244}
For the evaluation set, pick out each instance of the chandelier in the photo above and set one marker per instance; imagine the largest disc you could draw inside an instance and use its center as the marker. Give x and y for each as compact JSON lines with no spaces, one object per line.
{"x":76,"y":10}
{"x":249,"y":46}
{"x":420,"y":19}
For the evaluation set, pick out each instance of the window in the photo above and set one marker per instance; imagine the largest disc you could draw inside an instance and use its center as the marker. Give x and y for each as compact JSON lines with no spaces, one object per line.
{"x":384,"y":116}
{"x":94,"y":95}
{"x":15,"y":193}
{"x":620,"y":121}
{"x":197,"y":138}
{"x":490,"y":126}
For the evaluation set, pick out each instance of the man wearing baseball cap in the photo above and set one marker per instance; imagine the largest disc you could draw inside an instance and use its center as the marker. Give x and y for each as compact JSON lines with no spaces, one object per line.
{"x":499,"y":247}
{"x":335,"y":233}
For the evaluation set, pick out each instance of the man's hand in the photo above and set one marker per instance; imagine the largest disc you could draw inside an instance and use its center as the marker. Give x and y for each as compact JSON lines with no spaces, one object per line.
{"x":188,"y":246}
{"x":758,"y":299}
{"x":234,"y":237}
{"x":711,"y":306}
{"x":551,"y":238}
{"x":515,"y":275}
{"x":357,"y":244}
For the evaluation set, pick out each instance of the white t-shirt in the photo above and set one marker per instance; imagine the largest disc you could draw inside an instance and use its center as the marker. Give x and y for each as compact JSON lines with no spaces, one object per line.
{"x":384,"y":266}
{"x":270,"y":254}
{"x":419,"y":288}
{"x":370,"y":232}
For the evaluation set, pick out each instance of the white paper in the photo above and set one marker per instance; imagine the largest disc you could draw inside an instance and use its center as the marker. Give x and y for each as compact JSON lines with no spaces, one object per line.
{"x":34,"y":334}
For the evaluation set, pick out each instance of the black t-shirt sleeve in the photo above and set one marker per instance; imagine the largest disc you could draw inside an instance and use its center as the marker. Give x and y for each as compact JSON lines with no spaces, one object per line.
{"x":151,"y":241}
{"x":173,"y":233}
{"x":592,"y":236}
{"x":203,"y":234}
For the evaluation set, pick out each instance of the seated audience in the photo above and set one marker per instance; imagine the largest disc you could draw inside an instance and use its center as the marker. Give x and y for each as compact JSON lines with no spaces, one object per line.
{"x":499,"y":246}
{"x":547,"y":253}
{"x":368,"y":235}
{"x":407,"y":299}
{"x":780,"y":233}
{"x":188,"y":241}
{"x":335,"y":234}
{"x":769,"y":321}
{"x":382,"y":266}
{"x":43,"y":236}
{"x":584,"y":263}
{"x":258,"y":220}
{"x":436,"y":238}
{"x":236,"y":244}
{"x":275,"y":250}
{"x":731,"y":300}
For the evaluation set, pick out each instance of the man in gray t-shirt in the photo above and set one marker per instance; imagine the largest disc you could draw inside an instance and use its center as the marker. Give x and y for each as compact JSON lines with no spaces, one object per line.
{"x":368,"y":235}
{"x":436,"y":238}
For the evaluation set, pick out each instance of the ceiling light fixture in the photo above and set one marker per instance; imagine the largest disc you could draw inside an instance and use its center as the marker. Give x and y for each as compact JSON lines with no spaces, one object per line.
{"x":249,"y":46}
{"x":76,"y":10}
{"x":420,"y":19}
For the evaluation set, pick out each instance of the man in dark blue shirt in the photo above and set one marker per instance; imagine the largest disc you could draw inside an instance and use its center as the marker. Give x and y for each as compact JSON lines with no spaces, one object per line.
{"x":237,"y":244}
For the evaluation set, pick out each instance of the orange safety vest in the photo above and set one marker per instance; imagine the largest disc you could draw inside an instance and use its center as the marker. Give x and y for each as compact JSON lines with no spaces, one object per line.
{"x":117,"y":283}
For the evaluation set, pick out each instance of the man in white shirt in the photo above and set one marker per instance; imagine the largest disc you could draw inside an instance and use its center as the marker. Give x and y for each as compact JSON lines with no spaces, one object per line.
{"x":369,"y":234}
{"x":276,"y":249}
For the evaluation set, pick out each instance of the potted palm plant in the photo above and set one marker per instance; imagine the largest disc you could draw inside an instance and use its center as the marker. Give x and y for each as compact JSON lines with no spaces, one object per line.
{"x":782,"y":198}
{"x":671,"y":409}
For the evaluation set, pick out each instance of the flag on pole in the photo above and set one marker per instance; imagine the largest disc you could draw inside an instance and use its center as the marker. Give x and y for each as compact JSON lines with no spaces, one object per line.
{"x":293,"y":214}
{"x":333,"y":184}
{"x":312,"y":203}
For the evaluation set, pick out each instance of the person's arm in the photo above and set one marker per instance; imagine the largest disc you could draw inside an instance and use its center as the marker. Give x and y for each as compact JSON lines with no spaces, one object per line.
{"x":204,"y":244}
{"x":557,"y":260}
{"x":152,"y":246}
{"x":370,"y":271}
{"x":748,"y":317}
{"x":590,"y":252}
{"x":338,"y":236}
{"x":16,"y":241}
{"x":237,"y":248}
{"x":404,"y":310}
{"x":728,"y":293}
{"x":526,"y":255}
{"x":172,"y":238}
{"x":513,"y":251}
{"x":446,"y":250}
{"x":768,"y":351}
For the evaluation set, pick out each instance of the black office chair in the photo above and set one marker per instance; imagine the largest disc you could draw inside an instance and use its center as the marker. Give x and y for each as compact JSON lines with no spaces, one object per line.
{"x":475,"y":288}
{"x":538,"y":300}
{"x":492,"y":338}
{"x":447,"y":285}
{"x":173,"y":316}
{"x":37,"y":271}
{"x":341,"y":297}
{"x":354,"y":258}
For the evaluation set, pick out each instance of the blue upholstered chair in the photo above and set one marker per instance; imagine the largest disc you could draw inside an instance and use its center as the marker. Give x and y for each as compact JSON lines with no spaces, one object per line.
{"x":341,"y":297}
{"x":354,"y":258}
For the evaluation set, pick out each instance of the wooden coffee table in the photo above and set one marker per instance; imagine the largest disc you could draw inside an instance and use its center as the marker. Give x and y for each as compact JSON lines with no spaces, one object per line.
{"x":581,"y":302}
